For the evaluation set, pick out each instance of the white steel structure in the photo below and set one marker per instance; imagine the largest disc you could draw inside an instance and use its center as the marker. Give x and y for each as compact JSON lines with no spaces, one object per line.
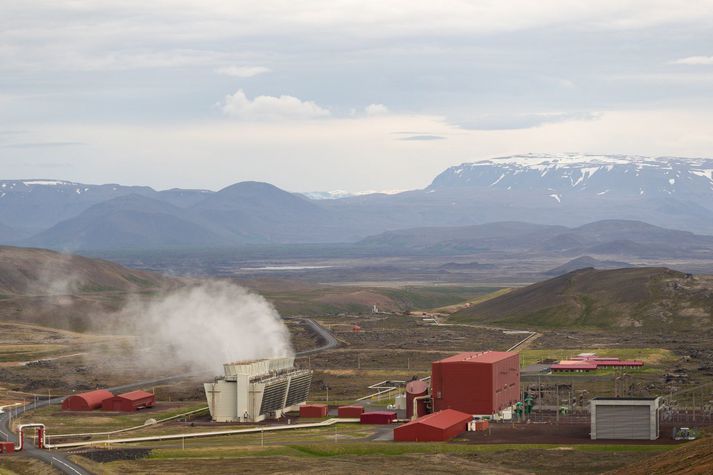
{"x":252,"y":391}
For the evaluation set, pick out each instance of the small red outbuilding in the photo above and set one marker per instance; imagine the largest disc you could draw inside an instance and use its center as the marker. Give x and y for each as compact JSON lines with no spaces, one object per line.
{"x":7,"y":447}
{"x":129,"y":402}
{"x":350,"y":411}
{"x":313,"y":411}
{"x":437,"y":427}
{"x":377,"y":417}
{"x":86,"y":401}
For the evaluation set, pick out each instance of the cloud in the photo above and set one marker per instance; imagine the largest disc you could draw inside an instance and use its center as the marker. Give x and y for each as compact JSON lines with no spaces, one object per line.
{"x":519,"y":121}
{"x":376,"y":109}
{"x":423,"y":137}
{"x":42,"y":145}
{"x":239,"y":106}
{"x":695,"y":60}
{"x":242,"y":71}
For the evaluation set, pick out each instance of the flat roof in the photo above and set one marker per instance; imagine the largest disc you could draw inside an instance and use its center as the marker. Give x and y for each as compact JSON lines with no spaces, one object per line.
{"x":479,"y":357}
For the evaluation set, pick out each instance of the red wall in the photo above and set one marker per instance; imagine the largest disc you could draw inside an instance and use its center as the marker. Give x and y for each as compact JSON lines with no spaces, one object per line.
{"x":313,"y":410}
{"x":118,"y":403}
{"x":350,"y":411}
{"x":422,"y":431}
{"x":475,"y":387}
{"x":381,"y":417}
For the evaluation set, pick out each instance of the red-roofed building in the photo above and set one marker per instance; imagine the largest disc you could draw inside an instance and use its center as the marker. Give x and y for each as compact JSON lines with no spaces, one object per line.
{"x":377,"y":417}
{"x":86,"y":401}
{"x":437,"y":427}
{"x":313,"y":411}
{"x":129,"y":402}
{"x":476,"y":383}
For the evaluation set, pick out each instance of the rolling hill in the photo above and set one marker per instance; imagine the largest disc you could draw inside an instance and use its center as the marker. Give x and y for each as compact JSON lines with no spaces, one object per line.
{"x":656,"y":299}
{"x":39,"y":272}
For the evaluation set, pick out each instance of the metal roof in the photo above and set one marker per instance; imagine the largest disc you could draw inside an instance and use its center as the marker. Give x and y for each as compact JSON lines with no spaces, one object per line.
{"x":135,"y":395}
{"x":478,"y":357}
{"x":441,"y":419}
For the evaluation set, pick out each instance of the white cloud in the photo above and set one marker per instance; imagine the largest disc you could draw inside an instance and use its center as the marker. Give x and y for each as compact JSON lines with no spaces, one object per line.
{"x":242,"y":71}
{"x":695,"y":60}
{"x":239,"y":106}
{"x":376,"y":109}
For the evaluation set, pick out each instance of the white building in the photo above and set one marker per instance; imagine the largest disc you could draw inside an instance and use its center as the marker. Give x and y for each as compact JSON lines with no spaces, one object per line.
{"x":252,"y":391}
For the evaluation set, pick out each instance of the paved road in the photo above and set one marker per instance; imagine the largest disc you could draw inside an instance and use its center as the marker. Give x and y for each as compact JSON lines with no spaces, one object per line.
{"x":59,"y":459}
{"x":327,"y":338}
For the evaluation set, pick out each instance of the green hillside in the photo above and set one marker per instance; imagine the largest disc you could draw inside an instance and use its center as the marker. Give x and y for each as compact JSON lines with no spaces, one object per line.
{"x":652,"y":298}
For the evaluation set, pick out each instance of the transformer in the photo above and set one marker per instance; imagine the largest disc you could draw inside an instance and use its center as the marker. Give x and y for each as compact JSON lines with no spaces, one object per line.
{"x":256,"y":390}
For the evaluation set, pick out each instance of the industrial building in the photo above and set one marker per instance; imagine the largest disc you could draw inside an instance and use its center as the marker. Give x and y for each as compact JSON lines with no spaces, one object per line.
{"x":86,"y":401}
{"x":437,"y":427}
{"x":585,"y":362}
{"x":481,"y":383}
{"x":129,"y":402}
{"x":625,"y":418}
{"x":352,"y":412}
{"x":252,"y":391}
{"x":378,"y":417}
{"x":314,"y":411}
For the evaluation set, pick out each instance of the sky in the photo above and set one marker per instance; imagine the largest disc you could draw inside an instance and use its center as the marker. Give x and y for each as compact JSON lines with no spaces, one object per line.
{"x":343,"y":95}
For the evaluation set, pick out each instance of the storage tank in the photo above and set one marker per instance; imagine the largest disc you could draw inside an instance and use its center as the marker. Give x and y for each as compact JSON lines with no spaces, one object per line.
{"x":416,"y":389}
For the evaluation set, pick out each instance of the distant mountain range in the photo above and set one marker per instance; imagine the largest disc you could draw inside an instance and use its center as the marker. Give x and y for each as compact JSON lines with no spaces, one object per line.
{"x":559,"y":190}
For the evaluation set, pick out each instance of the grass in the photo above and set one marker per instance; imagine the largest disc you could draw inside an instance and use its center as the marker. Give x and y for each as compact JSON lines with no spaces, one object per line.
{"x":386,"y":449}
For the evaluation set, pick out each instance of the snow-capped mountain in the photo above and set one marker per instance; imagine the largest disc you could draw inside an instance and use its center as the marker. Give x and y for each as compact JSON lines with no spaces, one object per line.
{"x":565,"y":176}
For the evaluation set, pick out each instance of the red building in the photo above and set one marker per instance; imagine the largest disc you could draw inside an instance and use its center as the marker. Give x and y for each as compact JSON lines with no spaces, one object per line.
{"x":313,"y":411}
{"x":378,"y":417}
{"x":437,"y":427}
{"x":476,"y":383}
{"x":129,"y":402}
{"x":7,"y":447}
{"x":350,"y":411}
{"x":86,"y":401}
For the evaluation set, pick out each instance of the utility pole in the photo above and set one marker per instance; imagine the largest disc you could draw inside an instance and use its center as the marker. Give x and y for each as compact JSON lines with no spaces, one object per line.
{"x":557,"y":402}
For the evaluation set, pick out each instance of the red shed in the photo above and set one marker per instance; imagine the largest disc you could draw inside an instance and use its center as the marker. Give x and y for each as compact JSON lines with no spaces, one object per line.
{"x":436,"y":427}
{"x":129,"y":402}
{"x":350,"y":411}
{"x":86,"y":401}
{"x":378,"y":417}
{"x":476,"y":383}
{"x":416,"y":389}
{"x":313,"y":410}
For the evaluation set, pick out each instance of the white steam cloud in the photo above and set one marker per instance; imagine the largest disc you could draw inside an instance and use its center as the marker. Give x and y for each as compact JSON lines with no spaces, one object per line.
{"x":207,"y":325}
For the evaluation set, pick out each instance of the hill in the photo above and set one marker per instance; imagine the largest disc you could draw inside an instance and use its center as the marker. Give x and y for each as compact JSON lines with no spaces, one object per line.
{"x":25,"y":271}
{"x":627,"y":238}
{"x":692,"y":458}
{"x":651,"y":298}
{"x":586,"y":261}
{"x":129,"y":222}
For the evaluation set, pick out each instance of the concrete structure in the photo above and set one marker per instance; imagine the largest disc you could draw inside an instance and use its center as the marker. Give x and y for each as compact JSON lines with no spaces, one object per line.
{"x":129,"y":402}
{"x":314,"y":410}
{"x":476,"y":383}
{"x":350,"y":412}
{"x":416,"y":389}
{"x":86,"y":401}
{"x":437,"y":427}
{"x":252,"y":391}
{"x":625,"y":418}
{"x":378,"y":417}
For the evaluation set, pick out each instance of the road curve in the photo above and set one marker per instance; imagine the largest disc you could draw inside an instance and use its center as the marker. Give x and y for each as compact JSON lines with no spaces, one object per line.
{"x":328,"y":340}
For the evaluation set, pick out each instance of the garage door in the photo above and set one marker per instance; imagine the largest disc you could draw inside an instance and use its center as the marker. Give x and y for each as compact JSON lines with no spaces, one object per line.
{"x":623,"y":422}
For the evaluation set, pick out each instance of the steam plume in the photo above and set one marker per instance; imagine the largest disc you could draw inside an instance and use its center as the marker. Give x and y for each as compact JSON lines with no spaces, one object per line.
{"x":209,"y":324}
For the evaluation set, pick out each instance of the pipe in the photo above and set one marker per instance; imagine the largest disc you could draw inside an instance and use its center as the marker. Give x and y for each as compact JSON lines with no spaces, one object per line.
{"x":328,"y":422}
{"x":414,"y":414}
{"x":41,"y":443}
